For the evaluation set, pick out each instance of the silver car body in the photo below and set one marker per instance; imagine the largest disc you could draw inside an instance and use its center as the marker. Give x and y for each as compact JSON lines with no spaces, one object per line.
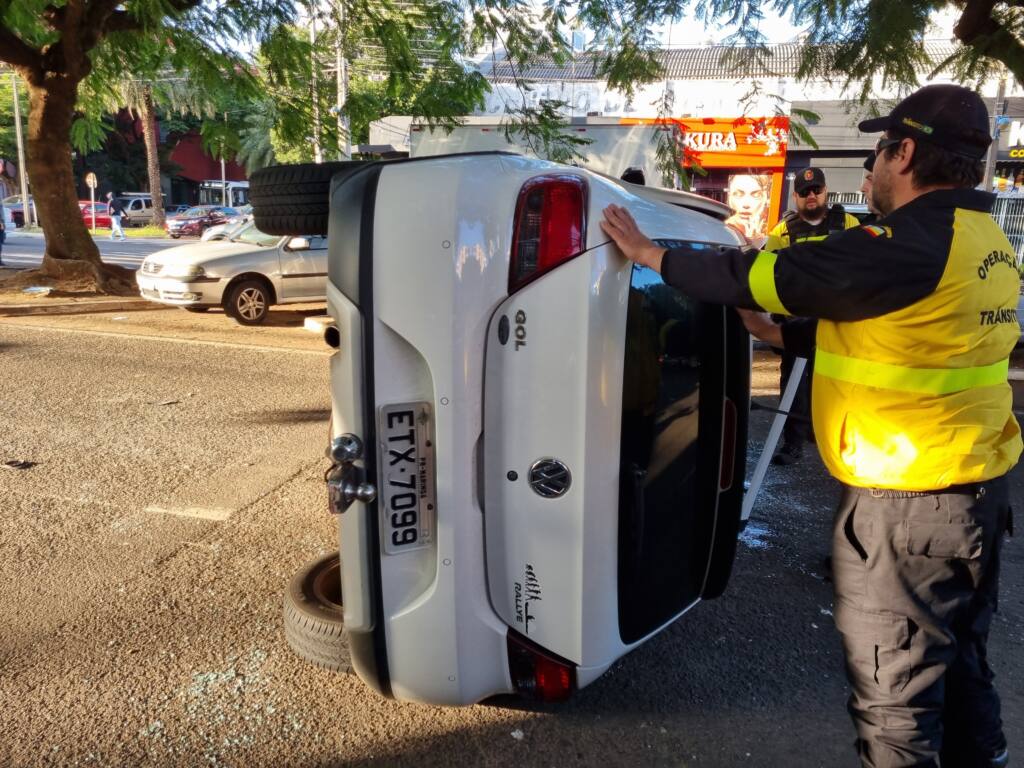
{"x":200,"y":274}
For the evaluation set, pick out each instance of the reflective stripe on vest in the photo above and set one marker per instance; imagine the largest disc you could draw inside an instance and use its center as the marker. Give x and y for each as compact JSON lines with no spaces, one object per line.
{"x":761,"y":280}
{"x":930,"y":381}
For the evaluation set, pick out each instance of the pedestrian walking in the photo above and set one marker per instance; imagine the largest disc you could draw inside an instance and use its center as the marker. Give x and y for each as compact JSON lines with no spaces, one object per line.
{"x":912,"y":412}
{"x":3,"y":232}
{"x":812,"y":218}
{"x":116,"y":209}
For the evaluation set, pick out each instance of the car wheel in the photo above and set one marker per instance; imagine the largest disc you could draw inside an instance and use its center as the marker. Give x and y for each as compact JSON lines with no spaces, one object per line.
{"x":248,"y":302}
{"x":175,"y":237}
{"x":196,"y":309}
{"x":314,"y":623}
{"x":295,"y":199}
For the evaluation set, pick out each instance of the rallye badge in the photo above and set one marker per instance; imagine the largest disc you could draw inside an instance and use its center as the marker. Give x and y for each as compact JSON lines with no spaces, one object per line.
{"x":876,"y":231}
{"x":919,"y":126}
{"x":808,"y":174}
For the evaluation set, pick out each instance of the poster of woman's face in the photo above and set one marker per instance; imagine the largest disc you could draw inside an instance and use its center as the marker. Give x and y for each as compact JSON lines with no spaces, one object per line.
{"x":749,"y":196}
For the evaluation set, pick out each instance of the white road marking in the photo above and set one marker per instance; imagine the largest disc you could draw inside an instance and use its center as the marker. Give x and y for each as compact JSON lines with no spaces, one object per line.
{"x":218,"y":514}
{"x":145,"y":337}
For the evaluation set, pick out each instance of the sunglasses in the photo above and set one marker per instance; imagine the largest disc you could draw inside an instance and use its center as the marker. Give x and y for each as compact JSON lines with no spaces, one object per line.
{"x":885,"y":143}
{"x":815,"y":190}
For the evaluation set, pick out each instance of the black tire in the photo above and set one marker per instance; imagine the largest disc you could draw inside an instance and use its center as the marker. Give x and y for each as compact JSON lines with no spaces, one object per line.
{"x":175,"y":237}
{"x":196,"y":309}
{"x":313,"y":615}
{"x":294,"y":199}
{"x":249,"y":301}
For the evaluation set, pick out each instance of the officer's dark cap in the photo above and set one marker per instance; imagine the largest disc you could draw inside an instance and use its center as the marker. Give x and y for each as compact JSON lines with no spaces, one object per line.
{"x":949,"y":116}
{"x":808,"y":177}
{"x":869,"y":163}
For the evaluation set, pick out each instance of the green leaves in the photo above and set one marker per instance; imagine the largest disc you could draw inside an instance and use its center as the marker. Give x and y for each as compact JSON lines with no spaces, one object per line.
{"x":541,"y":129}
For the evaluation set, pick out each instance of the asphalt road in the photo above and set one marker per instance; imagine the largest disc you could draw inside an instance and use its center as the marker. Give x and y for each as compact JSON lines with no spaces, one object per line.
{"x":26,"y":250}
{"x":178,"y":485}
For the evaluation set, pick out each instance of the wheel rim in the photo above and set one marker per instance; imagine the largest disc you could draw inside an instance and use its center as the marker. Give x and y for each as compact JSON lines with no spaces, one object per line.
{"x":327,"y":585}
{"x":251,"y":303}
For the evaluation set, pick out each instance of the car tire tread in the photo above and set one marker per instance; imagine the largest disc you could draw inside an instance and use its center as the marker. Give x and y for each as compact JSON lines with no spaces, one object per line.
{"x":294,"y":199}
{"x":314,"y":628}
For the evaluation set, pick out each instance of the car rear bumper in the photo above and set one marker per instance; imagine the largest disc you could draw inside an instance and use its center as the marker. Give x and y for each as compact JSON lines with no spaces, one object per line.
{"x":422,"y":627}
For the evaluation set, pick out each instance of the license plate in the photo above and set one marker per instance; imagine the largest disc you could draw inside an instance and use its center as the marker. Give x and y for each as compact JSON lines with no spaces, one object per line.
{"x":408,"y":497}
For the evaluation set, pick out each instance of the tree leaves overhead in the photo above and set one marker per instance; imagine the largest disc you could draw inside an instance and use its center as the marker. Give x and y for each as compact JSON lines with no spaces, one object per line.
{"x":197,"y":54}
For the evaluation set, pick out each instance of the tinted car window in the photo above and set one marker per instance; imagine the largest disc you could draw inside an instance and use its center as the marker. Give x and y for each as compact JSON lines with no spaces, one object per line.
{"x":670,"y":447}
{"x":249,"y":234}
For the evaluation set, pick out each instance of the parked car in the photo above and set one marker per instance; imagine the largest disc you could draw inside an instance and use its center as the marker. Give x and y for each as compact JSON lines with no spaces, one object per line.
{"x":102,"y":214}
{"x":233,"y":224}
{"x":138,"y":209}
{"x":538,"y":448}
{"x":197,"y":219}
{"x":245,"y":275}
{"x":14,"y":205}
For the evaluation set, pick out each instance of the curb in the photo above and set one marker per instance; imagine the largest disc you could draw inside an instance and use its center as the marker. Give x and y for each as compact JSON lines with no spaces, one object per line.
{"x":83,"y":308}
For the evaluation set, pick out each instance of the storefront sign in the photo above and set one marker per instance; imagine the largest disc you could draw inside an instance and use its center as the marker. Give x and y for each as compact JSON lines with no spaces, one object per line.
{"x":1011,"y":142}
{"x":737,"y":142}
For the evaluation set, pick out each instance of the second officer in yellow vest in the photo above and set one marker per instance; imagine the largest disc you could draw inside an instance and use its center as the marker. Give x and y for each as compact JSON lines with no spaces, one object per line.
{"x":812,"y":218}
{"x":912,"y":412}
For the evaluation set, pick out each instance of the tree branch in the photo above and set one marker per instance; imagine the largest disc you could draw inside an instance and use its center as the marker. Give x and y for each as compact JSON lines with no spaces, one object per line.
{"x":122,"y":21}
{"x":978,"y":30}
{"x":976,"y":21}
{"x":17,"y":52}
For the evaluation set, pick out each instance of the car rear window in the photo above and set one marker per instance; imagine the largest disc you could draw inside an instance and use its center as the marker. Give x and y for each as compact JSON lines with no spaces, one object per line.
{"x":669,"y":451}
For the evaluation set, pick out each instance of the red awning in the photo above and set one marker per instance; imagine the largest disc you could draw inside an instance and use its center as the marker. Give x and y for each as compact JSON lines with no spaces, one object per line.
{"x":196,"y":165}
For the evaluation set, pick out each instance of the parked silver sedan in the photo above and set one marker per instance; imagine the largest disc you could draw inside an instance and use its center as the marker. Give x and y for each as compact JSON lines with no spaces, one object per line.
{"x":246,"y":274}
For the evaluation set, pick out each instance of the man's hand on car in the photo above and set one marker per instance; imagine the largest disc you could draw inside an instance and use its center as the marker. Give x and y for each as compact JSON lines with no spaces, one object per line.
{"x":620,"y":226}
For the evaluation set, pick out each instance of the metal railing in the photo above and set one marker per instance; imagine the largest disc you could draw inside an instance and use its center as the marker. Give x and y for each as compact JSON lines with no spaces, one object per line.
{"x":844,"y":198}
{"x":1008,"y":212}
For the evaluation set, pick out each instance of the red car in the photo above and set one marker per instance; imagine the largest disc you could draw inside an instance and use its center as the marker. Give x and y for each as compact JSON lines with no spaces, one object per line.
{"x":195,"y":220}
{"x":102,"y":215}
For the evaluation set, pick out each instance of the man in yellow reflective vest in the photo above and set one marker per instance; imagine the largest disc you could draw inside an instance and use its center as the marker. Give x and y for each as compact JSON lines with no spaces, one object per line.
{"x":912,"y":413}
{"x":812,"y":219}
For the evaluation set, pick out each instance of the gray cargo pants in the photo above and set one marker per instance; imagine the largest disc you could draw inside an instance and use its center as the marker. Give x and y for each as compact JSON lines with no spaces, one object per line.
{"x":916,"y":582}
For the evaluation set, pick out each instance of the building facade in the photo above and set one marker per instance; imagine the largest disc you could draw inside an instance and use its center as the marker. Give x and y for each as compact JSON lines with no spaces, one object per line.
{"x":720,"y":83}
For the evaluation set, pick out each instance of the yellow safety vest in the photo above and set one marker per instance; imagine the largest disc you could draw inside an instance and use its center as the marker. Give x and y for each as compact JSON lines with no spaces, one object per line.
{"x":918,"y":399}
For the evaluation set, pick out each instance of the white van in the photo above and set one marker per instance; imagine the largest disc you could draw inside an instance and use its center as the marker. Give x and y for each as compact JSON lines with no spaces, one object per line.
{"x":138,"y":209}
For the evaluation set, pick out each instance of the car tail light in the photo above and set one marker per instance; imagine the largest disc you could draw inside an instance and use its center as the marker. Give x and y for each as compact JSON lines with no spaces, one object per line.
{"x":550,"y":226}
{"x":725,"y":476}
{"x":538,"y":674}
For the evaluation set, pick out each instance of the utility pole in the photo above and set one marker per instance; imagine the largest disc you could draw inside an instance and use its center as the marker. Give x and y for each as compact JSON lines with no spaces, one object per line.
{"x":27,"y":211}
{"x":993,"y":148}
{"x":318,"y":155}
{"x":341,"y":62}
{"x":223,"y":175}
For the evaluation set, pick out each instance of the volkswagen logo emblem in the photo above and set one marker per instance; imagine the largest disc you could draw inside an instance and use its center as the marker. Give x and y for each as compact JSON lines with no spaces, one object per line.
{"x":550,"y":478}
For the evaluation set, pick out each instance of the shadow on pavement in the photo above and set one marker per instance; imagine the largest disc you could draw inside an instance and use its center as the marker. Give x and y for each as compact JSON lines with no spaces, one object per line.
{"x":297,"y":416}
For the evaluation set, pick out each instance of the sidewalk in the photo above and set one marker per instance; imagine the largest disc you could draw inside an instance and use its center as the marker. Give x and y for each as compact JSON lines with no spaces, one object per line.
{"x":73,"y":306}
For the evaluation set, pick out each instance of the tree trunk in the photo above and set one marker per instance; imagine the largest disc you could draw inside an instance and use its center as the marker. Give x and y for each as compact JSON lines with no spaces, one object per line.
{"x":70,"y":250}
{"x":152,"y":138}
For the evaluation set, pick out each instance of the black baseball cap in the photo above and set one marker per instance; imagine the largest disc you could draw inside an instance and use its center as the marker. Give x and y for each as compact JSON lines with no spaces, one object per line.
{"x":950,"y":116}
{"x":869,"y":163}
{"x":808,"y":177}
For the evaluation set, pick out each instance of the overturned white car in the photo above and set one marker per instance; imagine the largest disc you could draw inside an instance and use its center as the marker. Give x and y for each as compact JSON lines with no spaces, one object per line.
{"x":538,"y":447}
